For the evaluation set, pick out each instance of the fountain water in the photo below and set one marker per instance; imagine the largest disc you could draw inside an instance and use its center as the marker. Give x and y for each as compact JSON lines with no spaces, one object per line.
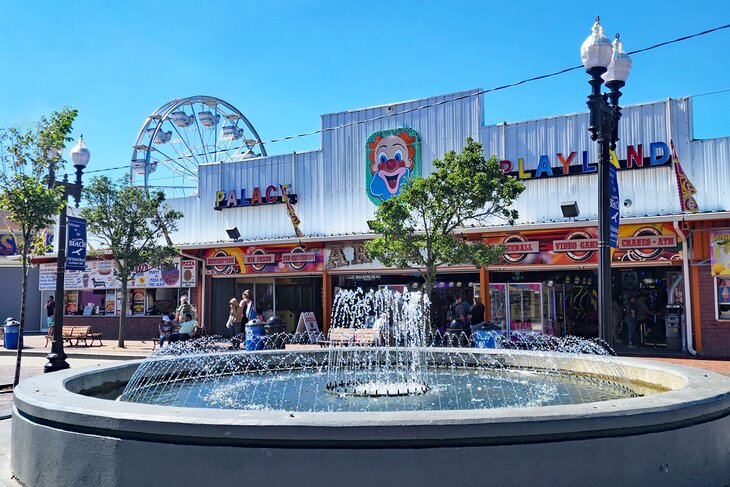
{"x":380,"y":350}
{"x":378,"y":359}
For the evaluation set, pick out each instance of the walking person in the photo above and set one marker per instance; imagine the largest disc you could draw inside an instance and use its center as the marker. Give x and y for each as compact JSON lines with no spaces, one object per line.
{"x":616,"y":317}
{"x":630,"y":318}
{"x":476,"y":313}
{"x":235,"y":316}
{"x":460,"y":309}
{"x":249,"y":311}
{"x":50,"y":307}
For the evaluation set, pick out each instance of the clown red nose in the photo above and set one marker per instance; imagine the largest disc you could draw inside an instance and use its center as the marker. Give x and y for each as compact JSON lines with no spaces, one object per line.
{"x":391,"y":165}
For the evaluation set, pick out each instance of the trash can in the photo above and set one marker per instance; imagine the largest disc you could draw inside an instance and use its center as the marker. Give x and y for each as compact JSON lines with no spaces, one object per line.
{"x":487,"y":335}
{"x":254,"y":335}
{"x":12,"y":331}
{"x":274,"y":330}
{"x":456,"y":334}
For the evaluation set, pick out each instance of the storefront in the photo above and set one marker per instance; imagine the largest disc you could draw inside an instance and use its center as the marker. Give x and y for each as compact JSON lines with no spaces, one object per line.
{"x":284,"y":281}
{"x":93,"y":297}
{"x":710,"y":277}
{"x":547,"y":280}
{"x":11,"y":276}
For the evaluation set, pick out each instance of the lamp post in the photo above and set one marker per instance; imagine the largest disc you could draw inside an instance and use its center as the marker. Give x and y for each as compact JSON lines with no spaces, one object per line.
{"x":80,"y":157}
{"x":604,"y":62}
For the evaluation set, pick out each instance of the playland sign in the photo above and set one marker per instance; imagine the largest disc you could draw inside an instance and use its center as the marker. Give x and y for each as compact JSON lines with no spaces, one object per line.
{"x":562,"y":164}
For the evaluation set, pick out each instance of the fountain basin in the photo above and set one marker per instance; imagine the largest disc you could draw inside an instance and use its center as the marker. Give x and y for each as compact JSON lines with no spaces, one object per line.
{"x":675,"y":437}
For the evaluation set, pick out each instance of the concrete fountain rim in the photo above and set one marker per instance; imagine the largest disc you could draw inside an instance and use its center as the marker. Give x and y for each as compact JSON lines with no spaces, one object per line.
{"x":697,"y":396}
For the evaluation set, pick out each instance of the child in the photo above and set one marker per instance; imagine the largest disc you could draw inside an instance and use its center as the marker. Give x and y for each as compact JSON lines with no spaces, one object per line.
{"x":166,"y":328}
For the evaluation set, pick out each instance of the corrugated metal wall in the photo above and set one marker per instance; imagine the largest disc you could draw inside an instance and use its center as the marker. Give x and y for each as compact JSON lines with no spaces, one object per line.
{"x":652,"y":191}
{"x":330,"y":184}
{"x":709,"y":170}
{"x":203,"y":224}
{"x":442,"y":128}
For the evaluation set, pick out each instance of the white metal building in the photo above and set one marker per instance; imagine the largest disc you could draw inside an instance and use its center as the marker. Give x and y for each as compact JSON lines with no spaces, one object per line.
{"x":540,"y":286}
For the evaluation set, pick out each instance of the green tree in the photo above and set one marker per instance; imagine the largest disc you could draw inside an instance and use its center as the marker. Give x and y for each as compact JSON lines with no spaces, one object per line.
{"x":28,"y":156}
{"x":130,"y":222}
{"x":420,"y":228}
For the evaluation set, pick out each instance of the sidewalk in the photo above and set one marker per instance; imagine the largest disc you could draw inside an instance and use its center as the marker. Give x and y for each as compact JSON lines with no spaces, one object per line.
{"x":35,"y":345}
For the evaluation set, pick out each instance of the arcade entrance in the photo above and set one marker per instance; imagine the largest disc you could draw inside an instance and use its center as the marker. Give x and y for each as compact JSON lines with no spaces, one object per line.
{"x":566,"y":302}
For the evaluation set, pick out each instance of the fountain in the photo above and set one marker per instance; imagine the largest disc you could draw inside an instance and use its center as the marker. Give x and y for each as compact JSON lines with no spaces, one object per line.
{"x":379,"y":404}
{"x":377,"y":350}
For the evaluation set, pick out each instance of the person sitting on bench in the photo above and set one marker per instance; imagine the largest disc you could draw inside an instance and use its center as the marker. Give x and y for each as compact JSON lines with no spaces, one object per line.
{"x":185,"y":332}
{"x":165,"y":329}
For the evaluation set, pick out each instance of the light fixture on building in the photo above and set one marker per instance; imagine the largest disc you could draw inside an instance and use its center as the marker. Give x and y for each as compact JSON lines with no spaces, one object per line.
{"x":233,"y":233}
{"x":569,"y":209}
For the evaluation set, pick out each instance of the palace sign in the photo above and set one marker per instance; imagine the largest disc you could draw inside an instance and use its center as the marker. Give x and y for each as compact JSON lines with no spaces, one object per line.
{"x":271,"y":195}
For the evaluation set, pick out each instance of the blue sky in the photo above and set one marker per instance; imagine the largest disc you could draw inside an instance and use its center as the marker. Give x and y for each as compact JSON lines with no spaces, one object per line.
{"x":284,"y":63}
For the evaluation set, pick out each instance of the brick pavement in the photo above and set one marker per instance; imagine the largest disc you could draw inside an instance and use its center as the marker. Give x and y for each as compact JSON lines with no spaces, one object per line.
{"x":719,"y":366}
{"x":36,"y":345}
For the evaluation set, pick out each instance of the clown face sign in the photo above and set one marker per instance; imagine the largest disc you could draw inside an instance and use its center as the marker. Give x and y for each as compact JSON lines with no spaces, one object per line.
{"x":392,"y":159}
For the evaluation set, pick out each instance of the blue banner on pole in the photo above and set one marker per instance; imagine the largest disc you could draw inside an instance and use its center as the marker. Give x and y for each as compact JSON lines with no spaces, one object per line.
{"x":614,"y":207}
{"x":76,"y":244}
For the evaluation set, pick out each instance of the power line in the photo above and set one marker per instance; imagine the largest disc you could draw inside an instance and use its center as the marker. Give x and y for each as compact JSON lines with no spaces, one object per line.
{"x":490,"y":90}
{"x":107,"y":169}
{"x":476,"y":93}
{"x":711,"y":93}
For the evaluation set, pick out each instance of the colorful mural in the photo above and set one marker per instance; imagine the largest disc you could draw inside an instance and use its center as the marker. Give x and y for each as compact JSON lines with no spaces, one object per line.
{"x":636,"y":243}
{"x":392,"y":158}
{"x":263,"y":260}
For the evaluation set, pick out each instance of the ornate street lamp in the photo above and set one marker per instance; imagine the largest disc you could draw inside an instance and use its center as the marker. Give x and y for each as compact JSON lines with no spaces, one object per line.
{"x":80,"y":157}
{"x":604,"y":62}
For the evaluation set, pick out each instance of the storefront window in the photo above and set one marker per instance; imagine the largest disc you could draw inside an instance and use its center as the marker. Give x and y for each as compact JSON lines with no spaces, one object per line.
{"x":71,"y":303}
{"x":722,"y":294}
{"x":108,"y":302}
{"x":498,"y":304}
{"x":91,"y":302}
{"x":161,"y":301}
{"x":525,"y":306}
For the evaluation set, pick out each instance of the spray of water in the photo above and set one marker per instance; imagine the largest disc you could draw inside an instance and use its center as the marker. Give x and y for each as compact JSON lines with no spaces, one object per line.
{"x":379,"y":358}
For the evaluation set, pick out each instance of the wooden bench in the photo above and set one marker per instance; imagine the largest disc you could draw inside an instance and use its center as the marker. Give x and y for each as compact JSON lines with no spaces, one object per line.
{"x":351,"y":337}
{"x":77,"y":333}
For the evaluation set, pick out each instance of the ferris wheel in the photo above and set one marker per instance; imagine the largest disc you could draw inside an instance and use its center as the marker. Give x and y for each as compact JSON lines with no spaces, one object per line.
{"x":188,"y":132}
